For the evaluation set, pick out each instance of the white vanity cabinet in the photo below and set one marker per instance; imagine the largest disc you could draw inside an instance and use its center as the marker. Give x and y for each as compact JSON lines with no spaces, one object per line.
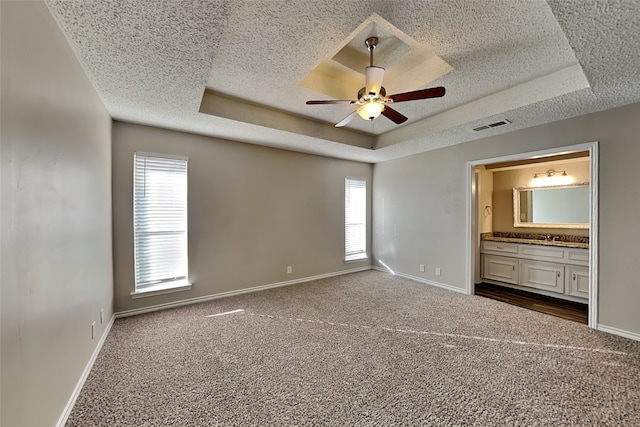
{"x":542,"y":275}
{"x":550,"y":270}
{"x":577,"y":281}
{"x":501,"y":268}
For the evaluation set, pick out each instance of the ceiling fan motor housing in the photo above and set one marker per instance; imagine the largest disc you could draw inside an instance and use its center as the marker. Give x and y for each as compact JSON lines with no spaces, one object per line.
{"x":363,"y":96}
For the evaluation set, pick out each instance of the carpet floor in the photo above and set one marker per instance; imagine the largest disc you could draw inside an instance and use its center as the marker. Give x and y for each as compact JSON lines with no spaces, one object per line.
{"x":361,"y":349}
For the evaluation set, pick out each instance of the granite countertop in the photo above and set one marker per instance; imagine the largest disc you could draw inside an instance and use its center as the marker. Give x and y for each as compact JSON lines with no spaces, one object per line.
{"x":537,"y":242}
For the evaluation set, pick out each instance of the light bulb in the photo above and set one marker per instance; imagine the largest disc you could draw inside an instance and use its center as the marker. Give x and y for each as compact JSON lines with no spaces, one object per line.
{"x":371,"y":110}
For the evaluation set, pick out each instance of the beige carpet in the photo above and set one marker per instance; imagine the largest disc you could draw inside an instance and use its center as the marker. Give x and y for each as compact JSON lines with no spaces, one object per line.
{"x":361,"y":349}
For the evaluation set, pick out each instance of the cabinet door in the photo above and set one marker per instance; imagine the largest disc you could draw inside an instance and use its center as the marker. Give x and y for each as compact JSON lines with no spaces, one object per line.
{"x":577,"y":284}
{"x":542,"y":275}
{"x":500,"y":268}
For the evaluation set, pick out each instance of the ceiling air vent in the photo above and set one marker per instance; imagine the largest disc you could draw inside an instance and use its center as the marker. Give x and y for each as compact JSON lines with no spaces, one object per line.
{"x":493,"y":125}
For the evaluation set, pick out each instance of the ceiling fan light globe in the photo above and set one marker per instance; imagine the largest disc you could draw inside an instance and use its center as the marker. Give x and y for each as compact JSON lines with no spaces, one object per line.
{"x":370,"y":110}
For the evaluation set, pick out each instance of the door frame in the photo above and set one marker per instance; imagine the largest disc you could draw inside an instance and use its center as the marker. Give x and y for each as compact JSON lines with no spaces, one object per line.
{"x":472,"y":223}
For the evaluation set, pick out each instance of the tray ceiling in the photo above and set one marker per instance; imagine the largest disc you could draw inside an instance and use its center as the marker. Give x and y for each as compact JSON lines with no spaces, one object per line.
{"x":242,"y":70}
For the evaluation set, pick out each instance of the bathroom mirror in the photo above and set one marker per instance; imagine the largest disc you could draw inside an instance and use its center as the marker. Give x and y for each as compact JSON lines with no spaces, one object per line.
{"x":565,"y":206}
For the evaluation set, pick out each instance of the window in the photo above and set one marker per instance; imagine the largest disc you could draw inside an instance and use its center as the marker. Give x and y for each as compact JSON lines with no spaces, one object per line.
{"x":355,"y":219}
{"x":160,"y":222}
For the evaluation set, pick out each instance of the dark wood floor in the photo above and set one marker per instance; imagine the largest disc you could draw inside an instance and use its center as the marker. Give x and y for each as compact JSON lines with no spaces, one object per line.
{"x":554,"y":306}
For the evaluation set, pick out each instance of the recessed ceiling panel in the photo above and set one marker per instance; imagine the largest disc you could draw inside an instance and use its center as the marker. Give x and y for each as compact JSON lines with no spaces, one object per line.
{"x":408,"y":65}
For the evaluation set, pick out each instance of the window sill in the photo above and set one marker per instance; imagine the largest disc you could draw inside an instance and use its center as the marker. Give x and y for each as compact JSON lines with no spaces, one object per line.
{"x":356,"y":258}
{"x":166,"y":288}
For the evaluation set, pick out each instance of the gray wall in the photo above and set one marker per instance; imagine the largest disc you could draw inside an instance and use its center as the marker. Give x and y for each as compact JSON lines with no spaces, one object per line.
{"x":252,"y":212}
{"x":56,"y":217}
{"x":420,"y":206}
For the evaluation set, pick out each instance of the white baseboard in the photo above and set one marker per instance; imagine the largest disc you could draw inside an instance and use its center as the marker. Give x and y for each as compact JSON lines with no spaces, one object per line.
{"x":433,"y":283}
{"x":76,"y":391}
{"x":620,"y":332}
{"x":384,"y":270}
{"x":423,"y":280}
{"x":165,"y":306}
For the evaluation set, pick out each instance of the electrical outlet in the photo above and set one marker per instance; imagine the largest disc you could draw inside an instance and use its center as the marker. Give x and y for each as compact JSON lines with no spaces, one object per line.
{"x":93,"y":330}
{"x":101,"y":316}
{"x":289,"y":269}
{"x":422,"y":268}
{"x":438,"y":271}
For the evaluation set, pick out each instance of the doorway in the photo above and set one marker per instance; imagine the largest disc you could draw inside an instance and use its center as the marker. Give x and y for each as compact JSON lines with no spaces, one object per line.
{"x":473,"y":232}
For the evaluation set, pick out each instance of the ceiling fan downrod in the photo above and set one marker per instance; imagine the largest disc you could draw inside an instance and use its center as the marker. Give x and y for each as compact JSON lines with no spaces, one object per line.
{"x":371,"y":44}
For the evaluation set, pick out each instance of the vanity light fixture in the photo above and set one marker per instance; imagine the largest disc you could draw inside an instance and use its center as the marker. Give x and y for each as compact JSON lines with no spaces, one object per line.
{"x":549,"y":173}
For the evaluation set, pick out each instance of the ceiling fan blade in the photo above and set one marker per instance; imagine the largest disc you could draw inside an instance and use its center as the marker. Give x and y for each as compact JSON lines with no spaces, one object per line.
{"x":373,"y":79}
{"x":347,"y":119}
{"x":331,"y":101}
{"x":393,"y":115}
{"x":434,"y":92}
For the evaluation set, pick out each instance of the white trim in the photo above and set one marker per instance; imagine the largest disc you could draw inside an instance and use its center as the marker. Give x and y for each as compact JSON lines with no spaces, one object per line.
{"x":593,"y":237}
{"x":470,"y":230}
{"x":153,"y":291}
{"x":619,"y":332}
{"x":362,"y":258}
{"x":161,"y":155}
{"x":433,"y":283}
{"x":423,"y":280}
{"x":76,"y":391}
{"x":143,"y":162}
{"x":586,"y":146}
{"x":592,"y":147}
{"x":165,"y":306}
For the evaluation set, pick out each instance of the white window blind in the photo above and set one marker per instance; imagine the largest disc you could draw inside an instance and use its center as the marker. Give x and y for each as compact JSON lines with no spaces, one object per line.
{"x":355,"y":219}
{"x":160,"y":221}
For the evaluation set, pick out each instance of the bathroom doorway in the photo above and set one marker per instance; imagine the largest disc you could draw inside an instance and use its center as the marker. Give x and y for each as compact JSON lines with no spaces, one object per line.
{"x":477,"y":206}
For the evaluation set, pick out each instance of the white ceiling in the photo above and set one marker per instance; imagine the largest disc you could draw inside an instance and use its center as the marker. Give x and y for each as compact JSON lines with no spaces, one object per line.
{"x":528,"y":61}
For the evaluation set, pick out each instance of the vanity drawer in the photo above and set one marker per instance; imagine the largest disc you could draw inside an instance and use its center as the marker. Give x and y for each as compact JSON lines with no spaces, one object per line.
{"x":577,"y":256}
{"x":542,"y":252}
{"x":499,"y":247}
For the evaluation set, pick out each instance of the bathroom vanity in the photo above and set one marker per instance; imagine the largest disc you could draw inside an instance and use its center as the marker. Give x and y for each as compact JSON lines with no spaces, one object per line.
{"x":549,"y":267}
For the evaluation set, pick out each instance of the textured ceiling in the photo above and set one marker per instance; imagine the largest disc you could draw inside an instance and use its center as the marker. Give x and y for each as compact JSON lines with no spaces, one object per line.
{"x":528,"y":61}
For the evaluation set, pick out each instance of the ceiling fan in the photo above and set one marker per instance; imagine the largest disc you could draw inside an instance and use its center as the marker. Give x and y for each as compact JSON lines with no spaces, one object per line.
{"x":373,"y":99}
